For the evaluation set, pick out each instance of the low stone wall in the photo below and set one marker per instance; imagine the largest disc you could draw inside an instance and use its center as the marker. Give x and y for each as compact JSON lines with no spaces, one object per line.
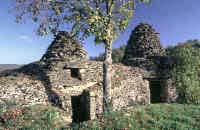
{"x":23,"y":91}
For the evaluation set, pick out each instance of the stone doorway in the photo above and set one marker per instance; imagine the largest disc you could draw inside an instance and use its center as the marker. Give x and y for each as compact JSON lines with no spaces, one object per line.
{"x":80,"y":107}
{"x":156,"y":91}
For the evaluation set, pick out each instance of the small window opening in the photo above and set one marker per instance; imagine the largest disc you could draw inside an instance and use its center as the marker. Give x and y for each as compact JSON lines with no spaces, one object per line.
{"x":75,"y":73}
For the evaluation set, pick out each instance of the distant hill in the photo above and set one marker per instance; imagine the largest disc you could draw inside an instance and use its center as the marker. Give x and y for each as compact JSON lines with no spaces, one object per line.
{"x":8,"y":66}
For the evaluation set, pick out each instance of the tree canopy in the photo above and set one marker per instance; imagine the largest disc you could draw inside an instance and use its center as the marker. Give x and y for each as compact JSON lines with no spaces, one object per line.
{"x":82,"y":17}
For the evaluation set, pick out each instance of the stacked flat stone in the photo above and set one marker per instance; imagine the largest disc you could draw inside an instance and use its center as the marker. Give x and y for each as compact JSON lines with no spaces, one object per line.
{"x":145,"y":51}
{"x":144,"y":42}
{"x":64,"y":48}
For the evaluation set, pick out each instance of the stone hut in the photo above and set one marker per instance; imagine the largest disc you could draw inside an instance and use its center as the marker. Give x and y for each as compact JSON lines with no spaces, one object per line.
{"x":65,"y":58}
{"x":76,"y":81}
{"x":66,"y":77}
{"x":145,"y":51}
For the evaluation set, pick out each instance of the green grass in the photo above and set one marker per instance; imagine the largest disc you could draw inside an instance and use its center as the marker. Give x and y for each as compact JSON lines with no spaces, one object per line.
{"x":152,"y":117}
{"x":37,"y":117}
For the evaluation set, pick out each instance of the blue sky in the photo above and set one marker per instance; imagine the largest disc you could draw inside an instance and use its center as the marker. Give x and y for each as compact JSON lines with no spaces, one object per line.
{"x":175,"y":20}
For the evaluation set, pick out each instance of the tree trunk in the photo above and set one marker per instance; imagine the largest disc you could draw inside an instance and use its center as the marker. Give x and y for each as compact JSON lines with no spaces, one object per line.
{"x":107,"y":64}
{"x":107,"y":75}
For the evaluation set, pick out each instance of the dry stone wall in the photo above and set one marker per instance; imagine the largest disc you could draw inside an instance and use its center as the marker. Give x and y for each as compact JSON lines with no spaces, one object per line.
{"x":144,"y":42}
{"x":145,"y":51}
{"x":131,"y":92}
{"x":23,"y":91}
{"x":64,"y":48}
{"x":128,"y":89}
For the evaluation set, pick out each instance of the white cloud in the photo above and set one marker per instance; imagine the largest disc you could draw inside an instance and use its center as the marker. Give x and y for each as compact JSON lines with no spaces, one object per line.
{"x":26,"y":38}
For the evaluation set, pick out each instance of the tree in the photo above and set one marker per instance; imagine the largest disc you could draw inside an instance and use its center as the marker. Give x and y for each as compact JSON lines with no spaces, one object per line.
{"x":103,"y":19}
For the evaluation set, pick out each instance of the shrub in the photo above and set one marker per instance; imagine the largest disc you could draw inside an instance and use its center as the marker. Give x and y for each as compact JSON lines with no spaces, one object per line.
{"x":32,"y":118}
{"x":185,"y":71}
{"x":48,"y":119}
{"x":117,"y":55}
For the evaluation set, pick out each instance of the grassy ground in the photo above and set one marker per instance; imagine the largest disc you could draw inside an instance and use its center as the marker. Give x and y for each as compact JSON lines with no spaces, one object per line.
{"x":37,"y":117}
{"x":151,"y":117}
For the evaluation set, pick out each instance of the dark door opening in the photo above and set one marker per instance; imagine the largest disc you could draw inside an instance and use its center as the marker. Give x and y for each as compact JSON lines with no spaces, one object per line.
{"x":80,"y":108}
{"x":155,"y":89}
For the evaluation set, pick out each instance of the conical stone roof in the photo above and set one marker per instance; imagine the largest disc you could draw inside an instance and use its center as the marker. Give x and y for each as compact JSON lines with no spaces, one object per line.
{"x":64,"y":49}
{"x":144,"y":42}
